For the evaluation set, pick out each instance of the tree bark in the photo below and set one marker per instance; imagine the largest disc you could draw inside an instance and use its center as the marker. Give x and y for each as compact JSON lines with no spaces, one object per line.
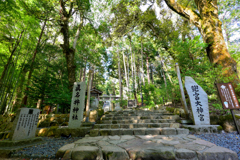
{"x":78,"y":31}
{"x":125,"y":69}
{"x":209,"y":25}
{"x":19,"y":94}
{"x":84,"y":71}
{"x":142,"y":71}
{"x":10,"y":59}
{"x":128,"y":74}
{"x":148,"y":74}
{"x":135,"y":75}
{"x":133,"y":85}
{"x":80,"y":76}
{"x":88,"y":95}
{"x":119,"y":76}
{"x":93,"y":72}
{"x":67,"y":50}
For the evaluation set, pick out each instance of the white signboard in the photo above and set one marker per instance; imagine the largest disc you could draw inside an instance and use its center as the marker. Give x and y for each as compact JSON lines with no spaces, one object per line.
{"x":25,"y":128}
{"x":199,"y":102}
{"x":77,"y":105}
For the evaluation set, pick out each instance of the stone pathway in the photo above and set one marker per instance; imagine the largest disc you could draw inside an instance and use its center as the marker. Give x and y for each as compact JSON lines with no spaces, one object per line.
{"x":137,"y":134}
{"x":138,"y":122}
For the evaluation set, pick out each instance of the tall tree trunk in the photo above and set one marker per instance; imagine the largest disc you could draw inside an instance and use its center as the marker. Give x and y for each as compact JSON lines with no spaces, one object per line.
{"x":142,"y":63}
{"x":84,"y":71}
{"x":207,"y":21}
{"x":67,"y":50}
{"x":88,"y":95}
{"x":148,"y":74}
{"x":139,"y":76}
{"x":93,"y":72}
{"x":119,"y":76}
{"x":80,"y":76}
{"x":10,"y":59}
{"x":76,"y":39}
{"x":24,"y":100}
{"x":78,"y":32}
{"x":164,"y":78}
{"x":19,"y":94}
{"x":135,"y":78}
{"x":131,"y":51}
{"x":125,"y":70}
{"x":151,"y":73}
{"x":128,"y":74}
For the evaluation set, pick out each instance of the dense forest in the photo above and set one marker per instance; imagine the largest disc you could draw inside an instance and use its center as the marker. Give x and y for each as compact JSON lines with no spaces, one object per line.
{"x":126,"y":47}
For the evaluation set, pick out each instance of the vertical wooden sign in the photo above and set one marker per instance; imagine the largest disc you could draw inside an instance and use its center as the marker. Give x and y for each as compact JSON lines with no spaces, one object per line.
{"x":229,"y":99}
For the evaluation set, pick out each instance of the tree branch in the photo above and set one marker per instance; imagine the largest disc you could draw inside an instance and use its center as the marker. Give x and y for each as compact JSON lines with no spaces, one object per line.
{"x":188,"y":13}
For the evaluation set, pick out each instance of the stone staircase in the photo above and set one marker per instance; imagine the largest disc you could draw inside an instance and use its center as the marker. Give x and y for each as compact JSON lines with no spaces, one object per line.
{"x":137,"y":135}
{"x":138,"y":122}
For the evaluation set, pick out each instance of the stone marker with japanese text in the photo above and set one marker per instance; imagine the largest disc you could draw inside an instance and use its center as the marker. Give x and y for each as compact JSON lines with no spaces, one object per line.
{"x":199,"y":102}
{"x":25,"y":124}
{"x":77,"y":105}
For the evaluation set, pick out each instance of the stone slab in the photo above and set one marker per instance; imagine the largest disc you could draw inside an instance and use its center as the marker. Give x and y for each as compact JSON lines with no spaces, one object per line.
{"x":77,"y":105}
{"x":85,"y":152}
{"x":25,"y":124}
{"x":114,"y":153}
{"x":202,"y":128}
{"x":128,"y":147}
{"x":199,"y":102}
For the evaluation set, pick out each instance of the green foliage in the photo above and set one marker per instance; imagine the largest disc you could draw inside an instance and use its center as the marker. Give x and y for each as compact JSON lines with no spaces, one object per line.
{"x":50,"y":90}
{"x":151,"y":95}
{"x":193,"y":62}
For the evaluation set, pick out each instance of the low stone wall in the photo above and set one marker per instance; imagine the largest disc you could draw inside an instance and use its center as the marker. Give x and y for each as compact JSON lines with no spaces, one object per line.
{"x":47,"y":122}
{"x":56,"y":131}
{"x":225,"y":121}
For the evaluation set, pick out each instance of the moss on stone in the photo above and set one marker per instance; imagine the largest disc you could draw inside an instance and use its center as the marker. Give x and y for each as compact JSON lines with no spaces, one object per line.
{"x":52,"y":131}
{"x":44,"y":124}
{"x":54,"y":123}
{"x":219,"y":128}
{"x":42,"y":132}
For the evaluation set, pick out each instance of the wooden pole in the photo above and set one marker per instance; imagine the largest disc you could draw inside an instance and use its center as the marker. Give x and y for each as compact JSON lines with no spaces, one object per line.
{"x":182,"y":92}
{"x":234,"y":120}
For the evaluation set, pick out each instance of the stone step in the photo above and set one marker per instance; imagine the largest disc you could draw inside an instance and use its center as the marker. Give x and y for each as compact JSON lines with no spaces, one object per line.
{"x":175,"y":117}
{"x":137,"y":114}
{"x":137,"y":121}
{"x":138,"y":131}
{"x":136,"y":125}
{"x":180,"y":147}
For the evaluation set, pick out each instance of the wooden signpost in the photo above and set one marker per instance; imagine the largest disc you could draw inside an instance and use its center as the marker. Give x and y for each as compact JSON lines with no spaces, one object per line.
{"x":229,"y":99}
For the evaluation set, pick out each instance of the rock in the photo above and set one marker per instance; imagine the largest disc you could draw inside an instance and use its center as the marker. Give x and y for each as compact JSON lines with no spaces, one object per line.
{"x":218,"y":153}
{"x":168,"y":131}
{"x":186,"y":154}
{"x":85,"y":152}
{"x":190,"y":146}
{"x":63,"y":149}
{"x":114,"y":153}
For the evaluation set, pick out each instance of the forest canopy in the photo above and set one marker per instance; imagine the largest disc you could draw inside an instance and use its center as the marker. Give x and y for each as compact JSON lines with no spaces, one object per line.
{"x":128,"y":47}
